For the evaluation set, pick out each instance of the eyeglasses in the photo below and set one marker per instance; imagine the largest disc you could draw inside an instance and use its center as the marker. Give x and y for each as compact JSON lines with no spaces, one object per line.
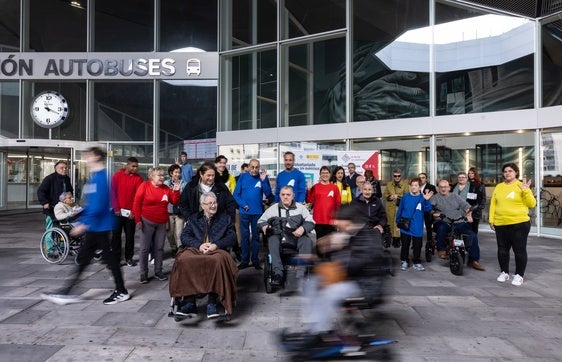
{"x":210,"y":203}
{"x":396,"y":175}
{"x":160,"y":175}
{"x":461,"y":176}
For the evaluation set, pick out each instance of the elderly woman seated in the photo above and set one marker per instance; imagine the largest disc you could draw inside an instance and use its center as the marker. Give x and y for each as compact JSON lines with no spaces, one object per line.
{"x":66,"y":209}
{"x":203,"y":266}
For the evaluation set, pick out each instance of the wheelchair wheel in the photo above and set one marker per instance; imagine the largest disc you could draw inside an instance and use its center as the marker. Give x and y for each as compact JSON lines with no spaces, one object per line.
{"x":54,"y":246}
{"x":456,"y":263}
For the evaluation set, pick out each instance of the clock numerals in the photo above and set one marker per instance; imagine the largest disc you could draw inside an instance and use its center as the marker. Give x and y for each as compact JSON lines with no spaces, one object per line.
{"x":49,"y":109}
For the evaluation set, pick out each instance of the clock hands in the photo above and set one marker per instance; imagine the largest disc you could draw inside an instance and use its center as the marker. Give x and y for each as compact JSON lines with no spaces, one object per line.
{"x":51,"y":110}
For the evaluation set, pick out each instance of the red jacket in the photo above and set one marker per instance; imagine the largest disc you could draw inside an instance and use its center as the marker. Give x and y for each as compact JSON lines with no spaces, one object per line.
{"x":123,"y":189}
{"x":151,"y":202}
{"x":326,"y":199}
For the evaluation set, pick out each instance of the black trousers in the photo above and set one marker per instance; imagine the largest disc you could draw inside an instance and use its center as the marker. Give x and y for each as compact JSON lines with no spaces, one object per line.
{"x":129,"y":226}
{"x":92,"y":242}
{"x":513,"y":237}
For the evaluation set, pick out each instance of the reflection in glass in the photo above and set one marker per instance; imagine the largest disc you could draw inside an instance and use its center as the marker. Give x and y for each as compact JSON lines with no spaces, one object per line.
{"x":312,"y":16}
{"x":53,"y":21}
{"x":254,"y":93}
{"x":123,"y":111}
{"x":549,"y":201}
{"x":552,"y":64}
{"x":186,"y":113}
{"x":9,"y":103}
{"x":188,"y":23}
{"x":314,"y":71}
{"x":484,"y":63}
{"x":384,"y":86}
{"x":253,"y":22}
{"x":124,"y":25}
{"x":10,"y":26}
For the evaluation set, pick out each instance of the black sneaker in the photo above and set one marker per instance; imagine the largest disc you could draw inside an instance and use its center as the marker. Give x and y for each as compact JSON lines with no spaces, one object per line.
{"x":117,"y":297}
{"x":243,"y":266}
{"x":131,"y":262}
{"x":160,"y":276}
{"x":276,"y":280}
{"x":257,"y":266}
{"x":212,"y":311}
{"x":144,"y":279}
{"x":188,"y":310}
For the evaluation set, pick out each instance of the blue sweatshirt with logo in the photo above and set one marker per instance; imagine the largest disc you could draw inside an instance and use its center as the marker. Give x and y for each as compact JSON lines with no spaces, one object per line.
{"x":250,"y":191}
{"x":97,"y":214}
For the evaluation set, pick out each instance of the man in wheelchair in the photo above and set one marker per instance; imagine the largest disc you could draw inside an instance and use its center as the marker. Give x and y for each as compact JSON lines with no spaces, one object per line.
{"x":203,"y":267}
{"x":287,"y":225}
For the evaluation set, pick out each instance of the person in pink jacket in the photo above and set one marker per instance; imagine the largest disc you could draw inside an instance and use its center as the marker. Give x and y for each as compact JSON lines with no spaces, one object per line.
{"x":150,"y":210}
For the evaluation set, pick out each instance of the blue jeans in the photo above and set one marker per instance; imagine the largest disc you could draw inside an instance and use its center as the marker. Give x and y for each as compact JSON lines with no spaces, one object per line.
{"x":442,"y":228}
{"x":249,"y":223}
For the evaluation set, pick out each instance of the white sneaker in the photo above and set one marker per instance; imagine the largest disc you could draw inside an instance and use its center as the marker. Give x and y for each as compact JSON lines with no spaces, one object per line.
{"x":61,"y":299}
{"x":404,"y":265}
{"x":503,"y":277}
{"x":419,"y":267}
{"x":517,"y":280}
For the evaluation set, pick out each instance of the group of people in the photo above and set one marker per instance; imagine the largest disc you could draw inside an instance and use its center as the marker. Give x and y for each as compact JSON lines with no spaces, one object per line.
{"x":210,"y":212}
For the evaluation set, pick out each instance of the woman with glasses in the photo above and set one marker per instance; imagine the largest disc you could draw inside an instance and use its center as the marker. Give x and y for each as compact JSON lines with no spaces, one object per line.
{"x":325,"y":198}
{"x":392,"y":194}
{"x":150,"y":209}
{"x":67,"y":209}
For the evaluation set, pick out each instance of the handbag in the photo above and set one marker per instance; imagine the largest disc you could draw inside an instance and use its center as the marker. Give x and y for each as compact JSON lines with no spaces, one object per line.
{"x":404,"y":222}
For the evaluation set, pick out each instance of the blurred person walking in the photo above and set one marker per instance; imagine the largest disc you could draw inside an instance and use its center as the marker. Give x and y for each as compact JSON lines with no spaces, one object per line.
{"x":97,"y":221}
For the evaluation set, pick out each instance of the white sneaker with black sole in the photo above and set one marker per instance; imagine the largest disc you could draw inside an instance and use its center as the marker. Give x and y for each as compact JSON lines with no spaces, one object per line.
{"x":117,"y":297}
{"x":61,"y":299}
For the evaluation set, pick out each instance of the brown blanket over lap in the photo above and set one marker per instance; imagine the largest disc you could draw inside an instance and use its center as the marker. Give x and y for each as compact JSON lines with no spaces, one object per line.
{"x":197,"y":273}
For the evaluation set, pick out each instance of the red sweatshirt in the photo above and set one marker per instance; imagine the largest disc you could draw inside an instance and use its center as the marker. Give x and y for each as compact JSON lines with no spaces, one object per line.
{"x":326,"y":200}
{"x":123,"y":189}
{"x":151,"y":202}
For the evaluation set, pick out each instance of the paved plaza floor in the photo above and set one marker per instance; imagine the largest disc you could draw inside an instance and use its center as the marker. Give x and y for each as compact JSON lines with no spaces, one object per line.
{"x":434,"y":315}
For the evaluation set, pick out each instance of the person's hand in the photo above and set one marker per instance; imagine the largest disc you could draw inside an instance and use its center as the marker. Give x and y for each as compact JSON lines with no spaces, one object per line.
{"x":492,"y":227}
{"x":46,"y":206}
{"x":139,"y":225}
{"x":469,"y":217}
{"x":177,"y":161}
{"x":526,"y":183}
{"x":428,"y":195}
{"x":379,"y":228}
{"x":263,"y":174}
{"x":176,"y":186}
{"x":131,"y":216}
{"x":264,"y":228}
{"x":207,"y":247}
{"x":117,"y":212}
{"x":298,"y":232}
{"x":78,"y":230}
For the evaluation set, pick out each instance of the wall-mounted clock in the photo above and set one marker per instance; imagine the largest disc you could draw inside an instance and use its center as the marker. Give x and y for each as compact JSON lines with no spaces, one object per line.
{"x":49,"y":109}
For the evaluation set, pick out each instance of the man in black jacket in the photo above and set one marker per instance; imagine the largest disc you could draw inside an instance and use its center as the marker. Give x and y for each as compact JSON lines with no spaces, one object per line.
{"x":51,"y":188}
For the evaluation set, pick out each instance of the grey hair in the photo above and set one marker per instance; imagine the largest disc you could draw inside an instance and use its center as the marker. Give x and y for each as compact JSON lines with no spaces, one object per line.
{"x":206,"y":195}
{"x":64,"y":195}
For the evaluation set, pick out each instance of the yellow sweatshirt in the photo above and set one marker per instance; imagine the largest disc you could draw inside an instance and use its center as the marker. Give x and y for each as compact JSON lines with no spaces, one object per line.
{"x":510,"y":205}
{"x":346,"y":195}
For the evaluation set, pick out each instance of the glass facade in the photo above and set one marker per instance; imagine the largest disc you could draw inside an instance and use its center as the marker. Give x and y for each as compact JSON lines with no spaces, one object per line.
{"x":430,"y":85}
{"x":9,"y":26}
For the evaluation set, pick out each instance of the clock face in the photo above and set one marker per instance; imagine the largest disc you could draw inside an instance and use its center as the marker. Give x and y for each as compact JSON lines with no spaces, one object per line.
{"x":49,"y":109}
